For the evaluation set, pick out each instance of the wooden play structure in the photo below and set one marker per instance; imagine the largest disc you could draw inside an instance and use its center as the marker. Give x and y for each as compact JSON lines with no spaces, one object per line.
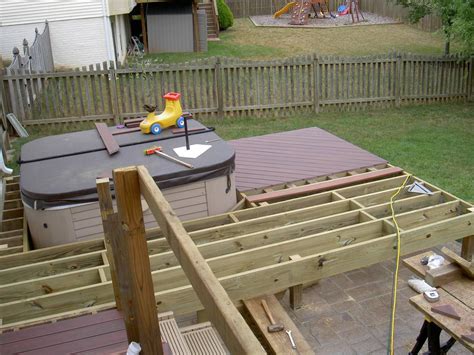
{"x":284,"y":238}
{"x":301,"y":10}
{"x":353,"y":9}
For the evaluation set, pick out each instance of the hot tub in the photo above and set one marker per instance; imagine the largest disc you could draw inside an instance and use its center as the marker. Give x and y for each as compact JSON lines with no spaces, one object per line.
{"x":58,"y":176}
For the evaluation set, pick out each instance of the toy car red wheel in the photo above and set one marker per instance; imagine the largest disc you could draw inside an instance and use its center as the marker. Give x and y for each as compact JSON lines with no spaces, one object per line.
{"x":180,"y":122}
{"x":155,"y":128}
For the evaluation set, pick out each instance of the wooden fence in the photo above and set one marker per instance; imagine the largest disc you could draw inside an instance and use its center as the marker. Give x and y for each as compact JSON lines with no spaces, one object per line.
{"x":245,"y":8}
{"x":229,"y":87}
{"x":38,"y":56}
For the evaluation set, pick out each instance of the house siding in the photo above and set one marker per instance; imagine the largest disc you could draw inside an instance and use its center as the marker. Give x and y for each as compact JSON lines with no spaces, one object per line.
{"x":74,"y":42}
{"x":29,"y":12}
{"x":120,"y":7}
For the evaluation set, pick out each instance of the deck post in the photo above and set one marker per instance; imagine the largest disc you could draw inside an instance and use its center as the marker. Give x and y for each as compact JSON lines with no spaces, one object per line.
{"x":467,"y":249}
{"x":296,"y":292}
{"x":133,"y":265}
{"x":109,"y":222}
{"x":143,"y":24}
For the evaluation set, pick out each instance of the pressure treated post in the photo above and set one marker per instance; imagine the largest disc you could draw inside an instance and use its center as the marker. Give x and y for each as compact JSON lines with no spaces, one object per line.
{"x":316,"y":82}
{"x":296,"y":292}
{"x":467,"y":249}
{"x":133,"y":265}
{"x":110,"y":224}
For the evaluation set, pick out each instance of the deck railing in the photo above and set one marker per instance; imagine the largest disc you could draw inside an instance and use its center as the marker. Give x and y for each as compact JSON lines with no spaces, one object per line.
{"x":224,"y":87}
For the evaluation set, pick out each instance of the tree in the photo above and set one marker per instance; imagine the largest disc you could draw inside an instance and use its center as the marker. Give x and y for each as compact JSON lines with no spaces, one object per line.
{"x":456,"y":17}
{"x":225,"y":16}
{"x":463,"y":25}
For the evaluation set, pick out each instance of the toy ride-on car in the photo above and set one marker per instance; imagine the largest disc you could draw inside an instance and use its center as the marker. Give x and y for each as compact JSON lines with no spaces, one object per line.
{"x":171,"y":116}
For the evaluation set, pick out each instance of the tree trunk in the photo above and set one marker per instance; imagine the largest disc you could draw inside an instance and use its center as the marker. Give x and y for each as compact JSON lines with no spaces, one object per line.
{"x":447,"y":45}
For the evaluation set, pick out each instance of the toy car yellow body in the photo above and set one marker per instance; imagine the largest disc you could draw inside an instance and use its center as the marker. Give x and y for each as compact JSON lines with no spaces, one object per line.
{"x":172,"y":115}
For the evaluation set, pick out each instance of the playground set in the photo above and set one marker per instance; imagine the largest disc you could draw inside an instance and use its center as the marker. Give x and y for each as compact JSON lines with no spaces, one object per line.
{"x":301,"y":11}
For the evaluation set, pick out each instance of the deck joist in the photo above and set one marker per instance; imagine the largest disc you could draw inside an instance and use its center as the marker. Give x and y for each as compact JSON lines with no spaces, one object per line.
{"x":333,"y":231}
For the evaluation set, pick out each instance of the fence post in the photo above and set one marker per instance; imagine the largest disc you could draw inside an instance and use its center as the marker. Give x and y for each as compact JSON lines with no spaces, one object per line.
{"x":316,"y":81}
{"x":398,"y":79}
{"x":470,"y":80}
{"x":113,"y":92}
{"x":3,"y":99}
{"x":219,"y":88}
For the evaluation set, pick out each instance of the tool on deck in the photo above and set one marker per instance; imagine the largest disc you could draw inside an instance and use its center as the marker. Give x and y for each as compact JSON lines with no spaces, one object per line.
{"x":293,"y":345}
{"x":158,"y":151}
{"x":273,"y":327}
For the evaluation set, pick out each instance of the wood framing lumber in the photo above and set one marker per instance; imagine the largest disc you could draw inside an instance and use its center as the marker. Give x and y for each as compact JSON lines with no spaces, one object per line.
{"x":231,"y":326}
{"x":133,"y":265}
{"x":442,"y":275}
{"x":266,"y":279}
{"x":51,"y":253}
{"x":467,"y":249}
{"x":276,"y":342}
{"x":109,"y":223}
{"x":324,"y":186}
{"x":254,"y":250}
{"x":109,"y":141}
{"x":296,"y":292}
{"x":466,"y":266}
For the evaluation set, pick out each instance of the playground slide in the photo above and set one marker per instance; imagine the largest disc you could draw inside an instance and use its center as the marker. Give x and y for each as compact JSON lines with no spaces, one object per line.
{"x":284,"y":9}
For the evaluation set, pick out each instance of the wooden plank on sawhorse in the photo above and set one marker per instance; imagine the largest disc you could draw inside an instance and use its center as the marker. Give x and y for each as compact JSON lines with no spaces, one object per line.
{"x":109,"y":141}
{"x":277,"y":342}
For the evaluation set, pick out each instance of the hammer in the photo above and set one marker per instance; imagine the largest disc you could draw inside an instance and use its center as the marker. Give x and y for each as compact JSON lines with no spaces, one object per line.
{"x":273,"y":327}
{"x":158,"y":151}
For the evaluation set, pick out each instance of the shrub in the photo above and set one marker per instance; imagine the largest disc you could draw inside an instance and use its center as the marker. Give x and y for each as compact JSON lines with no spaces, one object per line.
{"x":226,"y":18}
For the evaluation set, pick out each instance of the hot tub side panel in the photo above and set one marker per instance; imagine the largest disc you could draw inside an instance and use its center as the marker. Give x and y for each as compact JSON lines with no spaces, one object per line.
{"x":82,"y":222}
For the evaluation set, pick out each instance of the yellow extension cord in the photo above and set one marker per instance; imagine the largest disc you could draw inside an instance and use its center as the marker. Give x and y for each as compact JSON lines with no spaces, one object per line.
{"x":397,"y":265}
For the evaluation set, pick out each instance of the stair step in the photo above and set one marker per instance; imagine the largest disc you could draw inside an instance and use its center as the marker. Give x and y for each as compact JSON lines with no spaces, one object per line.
{"x":203,"y":339}
{"x":171,"y":334}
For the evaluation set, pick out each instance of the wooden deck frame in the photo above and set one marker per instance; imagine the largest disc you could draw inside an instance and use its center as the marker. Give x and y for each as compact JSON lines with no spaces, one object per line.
{"x":221,"y":311}
{"x":248,"y":260}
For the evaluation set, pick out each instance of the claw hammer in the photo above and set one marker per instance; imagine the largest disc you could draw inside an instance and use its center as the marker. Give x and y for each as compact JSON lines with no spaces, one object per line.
{"x":158,"y":151}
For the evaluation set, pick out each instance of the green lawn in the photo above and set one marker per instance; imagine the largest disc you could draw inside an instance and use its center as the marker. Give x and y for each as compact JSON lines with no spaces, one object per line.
{"x":434,"y":142}
{"x":244,"y":40}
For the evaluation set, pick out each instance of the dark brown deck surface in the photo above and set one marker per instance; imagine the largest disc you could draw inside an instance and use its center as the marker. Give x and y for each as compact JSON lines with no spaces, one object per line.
{"x":101,"y":333}
{"x":295,"y":155}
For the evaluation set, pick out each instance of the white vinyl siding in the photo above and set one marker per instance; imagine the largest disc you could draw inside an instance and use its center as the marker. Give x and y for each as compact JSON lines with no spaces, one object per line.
{"x":14,"y":12}
{"x":120,"y":7}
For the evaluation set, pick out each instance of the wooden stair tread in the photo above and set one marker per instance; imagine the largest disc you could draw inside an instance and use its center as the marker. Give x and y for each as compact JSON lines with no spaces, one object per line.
{"x":277,"y":342}
{"x":203,"y":339}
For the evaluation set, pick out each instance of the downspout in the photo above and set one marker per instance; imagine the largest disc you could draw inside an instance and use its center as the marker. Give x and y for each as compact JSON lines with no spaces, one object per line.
{"x":108,"y":34}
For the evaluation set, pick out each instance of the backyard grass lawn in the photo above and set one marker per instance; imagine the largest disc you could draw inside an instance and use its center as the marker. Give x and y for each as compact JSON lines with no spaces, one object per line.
{"x":434,"y":142}
{"x":244,"y":40}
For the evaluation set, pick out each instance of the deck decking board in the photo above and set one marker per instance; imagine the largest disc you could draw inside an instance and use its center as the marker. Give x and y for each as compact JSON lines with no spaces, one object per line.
{"x":289,"y":156}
